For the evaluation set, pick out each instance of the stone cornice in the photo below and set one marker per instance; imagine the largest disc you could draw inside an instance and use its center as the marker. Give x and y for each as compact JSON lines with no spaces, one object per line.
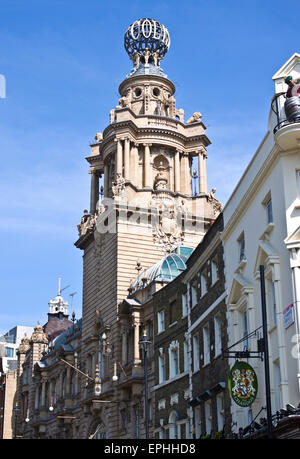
{"x":85,"y":240}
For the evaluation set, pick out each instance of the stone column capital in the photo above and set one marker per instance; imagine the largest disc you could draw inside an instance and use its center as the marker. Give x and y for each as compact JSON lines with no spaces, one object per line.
{"x":147,"y":144}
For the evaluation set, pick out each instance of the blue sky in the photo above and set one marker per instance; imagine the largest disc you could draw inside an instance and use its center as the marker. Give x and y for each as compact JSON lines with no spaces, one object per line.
{"x":63,"y":62}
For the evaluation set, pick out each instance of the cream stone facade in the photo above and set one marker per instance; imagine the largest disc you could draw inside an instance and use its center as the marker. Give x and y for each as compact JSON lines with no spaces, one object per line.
{"x":262,"y":227}
{"x":148,"y":209}
{"x":89,"y":382}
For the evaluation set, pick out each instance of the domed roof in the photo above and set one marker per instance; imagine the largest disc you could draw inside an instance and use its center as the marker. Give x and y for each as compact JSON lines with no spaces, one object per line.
{"x":147,"y":69}
{"x":166,"y":270}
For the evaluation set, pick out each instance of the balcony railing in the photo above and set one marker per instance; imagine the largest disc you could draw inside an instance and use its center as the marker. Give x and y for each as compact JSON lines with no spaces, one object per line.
{"x":278,"y":107}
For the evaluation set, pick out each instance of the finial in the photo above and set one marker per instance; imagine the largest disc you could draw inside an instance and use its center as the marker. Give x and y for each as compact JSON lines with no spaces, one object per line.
{"x":146,"y":41}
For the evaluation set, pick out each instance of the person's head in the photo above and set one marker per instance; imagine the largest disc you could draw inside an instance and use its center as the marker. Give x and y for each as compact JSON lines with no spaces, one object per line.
{"x":289,"y":81}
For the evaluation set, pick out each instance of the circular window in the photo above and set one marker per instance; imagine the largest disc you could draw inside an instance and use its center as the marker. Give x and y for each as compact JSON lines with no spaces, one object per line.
{"x":156,"y":92}
{"x":137,"y":92}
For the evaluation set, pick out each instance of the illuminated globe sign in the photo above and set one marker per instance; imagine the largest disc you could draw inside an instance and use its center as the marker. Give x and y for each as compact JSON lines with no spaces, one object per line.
{"x":242,"y":384}
{"x":148,"y":39}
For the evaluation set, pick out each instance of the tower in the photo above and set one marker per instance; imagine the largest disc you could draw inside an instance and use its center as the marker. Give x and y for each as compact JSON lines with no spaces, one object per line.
{"x":148,"y":208}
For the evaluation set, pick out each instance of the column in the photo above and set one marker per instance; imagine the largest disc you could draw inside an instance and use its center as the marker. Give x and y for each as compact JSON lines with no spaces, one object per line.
{"x":176,"y":172}
{"x":68,"y":380}
{"x":119,"y":158}
{"x":94,"y":191}
{"x":202,"y":171}
{"x":124,"y":346}
{"x":43,"y":392}
{"x":106,"y":179}
{"x":185,"y":174}
{"x":126,"y":160}
{"x":136,"y":346}
{"x":134,"y":173}
{"x":147,"y":172}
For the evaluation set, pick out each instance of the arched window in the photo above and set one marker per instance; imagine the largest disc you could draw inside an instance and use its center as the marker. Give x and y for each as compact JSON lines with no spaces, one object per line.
{"x":174,"y":427}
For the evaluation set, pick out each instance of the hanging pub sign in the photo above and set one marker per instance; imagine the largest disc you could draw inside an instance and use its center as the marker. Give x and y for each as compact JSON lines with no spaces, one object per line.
{"x":242,"y":384}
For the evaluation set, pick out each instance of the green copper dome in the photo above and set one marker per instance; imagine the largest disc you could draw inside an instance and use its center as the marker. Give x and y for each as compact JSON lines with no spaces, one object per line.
{"x":166,"y":270}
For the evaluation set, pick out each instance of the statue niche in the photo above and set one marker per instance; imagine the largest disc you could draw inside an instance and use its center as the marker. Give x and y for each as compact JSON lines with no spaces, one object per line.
{"x":162,"y":178}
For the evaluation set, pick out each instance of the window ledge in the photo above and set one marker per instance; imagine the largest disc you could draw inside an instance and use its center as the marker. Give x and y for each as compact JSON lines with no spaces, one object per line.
{"x":297,"y":204}
{"x":241,"y":266}
{"x":266,"y":234}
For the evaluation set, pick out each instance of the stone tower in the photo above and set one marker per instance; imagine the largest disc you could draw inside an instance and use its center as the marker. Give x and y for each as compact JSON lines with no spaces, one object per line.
{"x":148,"y":207}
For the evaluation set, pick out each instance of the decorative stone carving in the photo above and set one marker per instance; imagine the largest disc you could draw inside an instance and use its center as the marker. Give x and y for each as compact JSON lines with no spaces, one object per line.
{"x":167,"y":232}
{"x":87,"y":223}
{"x":38,"y":335}
{"x":174,"y":399}
{"x":118,"y":186}
{"x":217,"y":206}
{"x":25,"y":345}
{"x":160,"y":181}
{"x":195,"y":118}
{"x":98,"y":137}
{"x":162,"y":404}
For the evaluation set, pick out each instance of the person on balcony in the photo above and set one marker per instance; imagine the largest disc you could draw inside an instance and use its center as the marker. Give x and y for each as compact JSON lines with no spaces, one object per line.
{"x":291,"y":83}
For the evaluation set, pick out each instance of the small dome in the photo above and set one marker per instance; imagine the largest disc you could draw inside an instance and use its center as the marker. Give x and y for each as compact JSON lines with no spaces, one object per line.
{"x":166,"y":269}
{"x":147,"y":69}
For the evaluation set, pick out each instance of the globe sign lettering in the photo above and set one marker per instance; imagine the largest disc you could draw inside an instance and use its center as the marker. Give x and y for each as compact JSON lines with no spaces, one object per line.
{"x":147,"y":34}
{"x":149,"y":28}
{"x":242,"y":384}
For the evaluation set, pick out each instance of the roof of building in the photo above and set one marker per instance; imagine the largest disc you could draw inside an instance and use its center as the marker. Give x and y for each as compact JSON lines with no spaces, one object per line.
{"x":60,"y":340}
{"x":147,"y":69}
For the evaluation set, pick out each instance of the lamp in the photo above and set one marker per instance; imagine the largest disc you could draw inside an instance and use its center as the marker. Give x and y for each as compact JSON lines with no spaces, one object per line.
{"x":144,"y":343}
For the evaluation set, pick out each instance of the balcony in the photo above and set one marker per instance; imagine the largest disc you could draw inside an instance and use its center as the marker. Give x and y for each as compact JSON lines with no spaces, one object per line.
{"x":287,"y":130}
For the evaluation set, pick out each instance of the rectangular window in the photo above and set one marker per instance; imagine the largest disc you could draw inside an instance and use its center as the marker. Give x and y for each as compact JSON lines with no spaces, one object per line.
{"x":174,"y":361}
{"x":196,"y":355}
{"x":208,"y":417}
{"x":204,"y":282}
{"x":269,"y":211}
{"x":172,"y":310}
{"x":184,"y":305}
{"x":161,"y":369}
{"x":218,"y":335}
{"x":161,"y":321}
{"x":194,"y":296}
{"x":244,"y":328}
{"x":198,"y":421}
{"x":298,"y":181}
{"x":214,"y":270}
{"x":9,"y":352}
{"x":206,"y":345}
{"x":241,"y":245}
{"x":220,"y":410}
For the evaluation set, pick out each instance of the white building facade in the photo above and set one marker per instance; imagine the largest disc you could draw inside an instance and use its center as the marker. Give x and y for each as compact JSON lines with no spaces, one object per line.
{"x":262,"y":227}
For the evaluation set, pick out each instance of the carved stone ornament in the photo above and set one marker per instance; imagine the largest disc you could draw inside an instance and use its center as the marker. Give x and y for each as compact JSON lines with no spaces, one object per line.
{"x":38,"y":335}
{"x":25,"y":345}
{"x":87,"y":223}
{"x":195,"y":118}
{"x":217,"y":206}
{"x":166,"y":230}
{"x":118,"y":186}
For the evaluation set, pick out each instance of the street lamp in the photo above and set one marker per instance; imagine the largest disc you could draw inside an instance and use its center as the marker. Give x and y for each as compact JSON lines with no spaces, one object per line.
{"x":144,"y":343}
